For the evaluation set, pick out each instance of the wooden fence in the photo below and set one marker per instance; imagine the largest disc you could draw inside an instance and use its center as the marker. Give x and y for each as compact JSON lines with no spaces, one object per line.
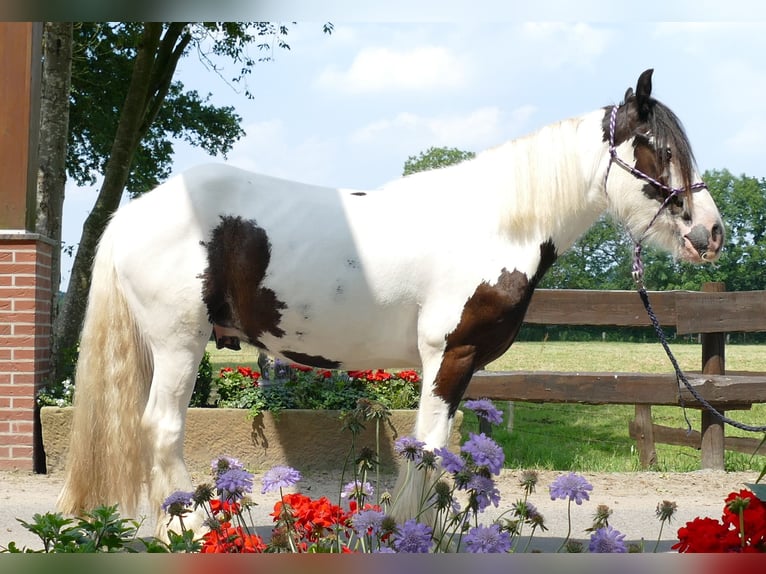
{"x":712,"y":313}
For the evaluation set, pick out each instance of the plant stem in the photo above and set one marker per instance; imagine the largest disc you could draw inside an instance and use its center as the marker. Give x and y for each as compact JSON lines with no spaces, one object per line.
{"x":569,"y":526}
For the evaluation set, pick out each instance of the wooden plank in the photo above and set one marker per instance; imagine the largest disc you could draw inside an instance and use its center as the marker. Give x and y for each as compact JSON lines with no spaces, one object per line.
{"x":729,"y":312}
{"x":590,"y":307}
{"x":687,"y":311}
{"x":724,"y":391}
{"x":693,"y":439}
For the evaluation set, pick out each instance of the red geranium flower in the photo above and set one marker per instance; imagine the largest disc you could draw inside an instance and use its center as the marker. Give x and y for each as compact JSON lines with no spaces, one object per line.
{"x":302,"y":368}
{"x":706,"y":535}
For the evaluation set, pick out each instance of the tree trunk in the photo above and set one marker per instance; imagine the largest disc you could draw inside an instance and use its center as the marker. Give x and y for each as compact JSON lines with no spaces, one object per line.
{"x":54,"y":128}
{"x":151,"y":75}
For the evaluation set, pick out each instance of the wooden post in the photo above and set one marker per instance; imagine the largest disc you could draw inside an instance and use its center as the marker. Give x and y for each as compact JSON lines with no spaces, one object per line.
{"x":643,"y":430}
{"x":713,"y":363}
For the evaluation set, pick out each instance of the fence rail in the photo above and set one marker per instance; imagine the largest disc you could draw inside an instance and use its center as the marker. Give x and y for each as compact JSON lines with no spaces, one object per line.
{"x":711,"y":312}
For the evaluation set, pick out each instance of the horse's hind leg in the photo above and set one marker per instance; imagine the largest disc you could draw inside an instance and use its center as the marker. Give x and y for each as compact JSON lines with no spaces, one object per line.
{"x":175,"y":370}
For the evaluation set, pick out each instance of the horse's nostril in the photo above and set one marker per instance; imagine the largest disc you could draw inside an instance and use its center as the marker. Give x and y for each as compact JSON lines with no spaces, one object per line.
{"x":716,"y":231}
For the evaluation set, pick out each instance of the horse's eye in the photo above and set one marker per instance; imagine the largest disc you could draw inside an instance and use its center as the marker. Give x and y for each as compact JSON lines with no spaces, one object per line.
{"x":668,"y":154}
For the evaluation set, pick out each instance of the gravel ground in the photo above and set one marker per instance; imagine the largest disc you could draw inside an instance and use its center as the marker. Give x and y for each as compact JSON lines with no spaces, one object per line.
{"x":633,"y":497}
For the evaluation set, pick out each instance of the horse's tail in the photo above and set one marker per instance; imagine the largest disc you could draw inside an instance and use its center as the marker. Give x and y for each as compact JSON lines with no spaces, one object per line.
{"x":107,"y":462}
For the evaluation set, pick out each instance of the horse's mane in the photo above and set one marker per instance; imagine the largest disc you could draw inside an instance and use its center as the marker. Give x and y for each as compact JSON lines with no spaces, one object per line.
{"x":669,"y":132}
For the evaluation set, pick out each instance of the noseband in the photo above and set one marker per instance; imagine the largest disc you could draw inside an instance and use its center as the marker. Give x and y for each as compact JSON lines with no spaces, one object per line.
{"x":638,"y":266}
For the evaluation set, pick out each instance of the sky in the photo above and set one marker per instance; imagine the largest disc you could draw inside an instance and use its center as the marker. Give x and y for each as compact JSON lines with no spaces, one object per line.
{"x":348,"y":109}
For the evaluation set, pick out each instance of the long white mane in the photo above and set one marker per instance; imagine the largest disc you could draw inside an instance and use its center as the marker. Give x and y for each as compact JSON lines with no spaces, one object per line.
{"x":534,"y":187}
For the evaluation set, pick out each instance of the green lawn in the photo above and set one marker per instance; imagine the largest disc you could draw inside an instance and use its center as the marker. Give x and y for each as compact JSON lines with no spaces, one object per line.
{"x":588,"y":437}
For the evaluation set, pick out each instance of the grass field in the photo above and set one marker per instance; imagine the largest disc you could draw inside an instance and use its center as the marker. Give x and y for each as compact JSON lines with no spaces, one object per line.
{"x":595,"y":438}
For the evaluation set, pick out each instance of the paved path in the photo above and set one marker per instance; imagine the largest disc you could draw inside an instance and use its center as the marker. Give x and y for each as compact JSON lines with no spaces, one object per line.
{"x":633,"y":497}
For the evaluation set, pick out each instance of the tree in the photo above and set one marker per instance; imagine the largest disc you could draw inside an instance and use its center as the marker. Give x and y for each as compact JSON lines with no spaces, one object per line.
{"x":600,"y":259}
{"x":435,"y":157}
{"x":124,"y":135}
{"x":54,"y":126}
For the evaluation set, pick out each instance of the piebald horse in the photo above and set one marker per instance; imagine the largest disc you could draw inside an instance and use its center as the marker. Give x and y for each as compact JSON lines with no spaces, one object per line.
{"x":432,"y":271}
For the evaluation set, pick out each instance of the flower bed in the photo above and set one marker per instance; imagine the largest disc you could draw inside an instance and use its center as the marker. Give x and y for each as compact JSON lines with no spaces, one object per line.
{"x":260,"y":442}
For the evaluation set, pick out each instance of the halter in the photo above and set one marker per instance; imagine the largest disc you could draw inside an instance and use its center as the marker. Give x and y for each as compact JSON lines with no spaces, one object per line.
{"x":638,"y":275}
{"x":638,"y":266}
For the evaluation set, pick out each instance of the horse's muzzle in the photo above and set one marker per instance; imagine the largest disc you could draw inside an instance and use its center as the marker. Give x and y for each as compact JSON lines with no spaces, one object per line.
{"x":706,"y":243}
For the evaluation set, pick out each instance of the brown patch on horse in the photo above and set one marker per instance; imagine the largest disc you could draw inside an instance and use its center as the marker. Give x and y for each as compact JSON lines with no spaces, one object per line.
{"x":239,"y":253}
{"x":489,"y":323}
{"x":316,"y":361}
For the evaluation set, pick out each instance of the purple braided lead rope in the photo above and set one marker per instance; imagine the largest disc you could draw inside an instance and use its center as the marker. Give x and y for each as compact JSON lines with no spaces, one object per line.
{"x":638,"y":274}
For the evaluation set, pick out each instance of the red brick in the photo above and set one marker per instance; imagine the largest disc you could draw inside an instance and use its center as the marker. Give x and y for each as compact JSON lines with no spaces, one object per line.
{"x":16,"y":464}
{"x":15,"y":319}
{"x":28,"y":329}
{"x":16,"y":440}
{"x":16,"y":341}
{"x":28,"y":292}
{"x":17,"y":268}
{"x":25,"y":256}
{"x":23,"y":379}
{"x":25,"y":279}
{"x":23,"y":427}
{"x":17,"y":390}
{"x":24,"y":305}
{"x":18,"y":402}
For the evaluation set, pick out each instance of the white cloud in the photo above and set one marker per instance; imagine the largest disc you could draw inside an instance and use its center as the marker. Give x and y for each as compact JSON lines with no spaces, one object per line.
{"x":556,"y":45}
{"x":387,"y":70}
{"x":476,"y":130}
{"x":268,"y":149}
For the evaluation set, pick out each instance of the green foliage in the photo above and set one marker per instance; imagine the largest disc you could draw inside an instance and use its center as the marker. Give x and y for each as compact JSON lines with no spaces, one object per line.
{"x":104,"y":55}
{"x":100,"y":530}
{"x":202,"y":385}
{"x":434,"y":158}
{"x":295,"y":387}
{"x":600,"y":259}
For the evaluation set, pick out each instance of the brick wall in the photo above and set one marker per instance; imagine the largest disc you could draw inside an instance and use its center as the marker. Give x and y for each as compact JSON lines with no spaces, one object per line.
{"x":25,"y":335}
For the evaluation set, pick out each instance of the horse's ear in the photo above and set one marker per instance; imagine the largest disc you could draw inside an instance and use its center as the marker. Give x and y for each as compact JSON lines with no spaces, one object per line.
{"x":628,"y":94}
{"x":644,"y":94}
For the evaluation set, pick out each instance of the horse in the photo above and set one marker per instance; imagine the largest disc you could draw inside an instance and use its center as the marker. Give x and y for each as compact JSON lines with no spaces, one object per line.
{"x":432,"y":271}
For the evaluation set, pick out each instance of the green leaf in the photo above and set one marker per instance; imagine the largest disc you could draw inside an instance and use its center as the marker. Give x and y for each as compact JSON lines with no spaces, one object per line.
{"x":758,"y":489}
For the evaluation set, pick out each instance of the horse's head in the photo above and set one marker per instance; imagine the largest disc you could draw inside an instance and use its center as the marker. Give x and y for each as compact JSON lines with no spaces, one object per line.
{"x":655,"y":188}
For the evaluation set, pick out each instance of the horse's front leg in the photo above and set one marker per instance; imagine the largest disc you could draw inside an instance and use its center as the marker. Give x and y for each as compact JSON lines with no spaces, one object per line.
{"x":446,"y":373}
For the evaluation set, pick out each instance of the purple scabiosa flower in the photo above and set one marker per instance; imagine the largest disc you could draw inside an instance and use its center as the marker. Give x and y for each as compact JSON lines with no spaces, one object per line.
{"x":483,"y":491}
{"x":484,"y":452}
{"x":368,"y":522}
{"x":357,"y":489}
{"x":221,"y":464}
{"x":177,"y":503}
{"x":485,"y":409}
{"x":607,"y":540}
{"x":412,"y":537}
{"x":234,"y":483}
{"x":450,"y":462}
{"x":572,"y":486}
{"x":487,"y":539}
{"x":409,"y":447}
{"x":279,"y":477}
